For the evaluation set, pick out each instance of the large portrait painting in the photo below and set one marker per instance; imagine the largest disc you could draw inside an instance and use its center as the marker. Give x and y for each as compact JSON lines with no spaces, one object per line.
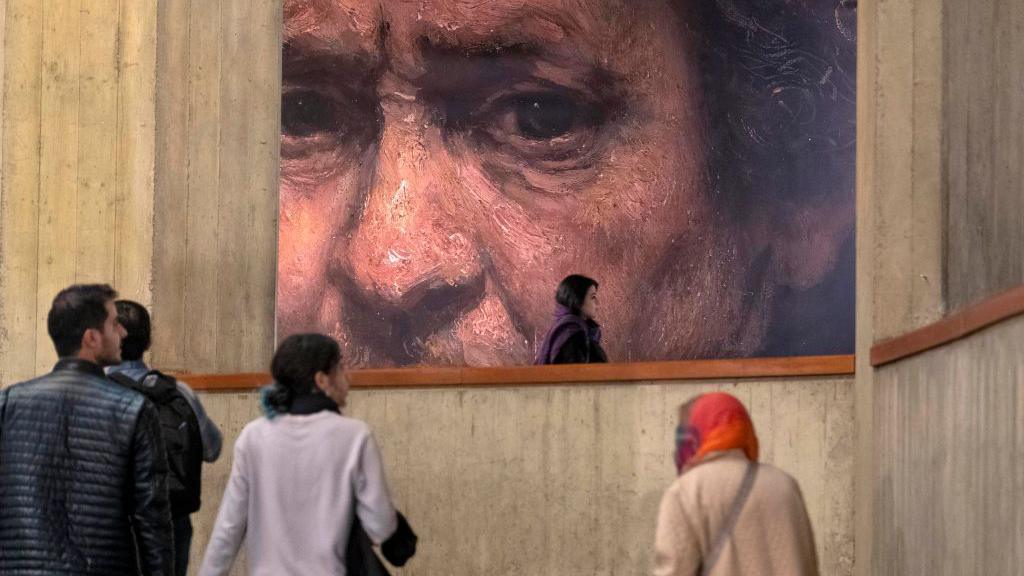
{"x":445,"y":163}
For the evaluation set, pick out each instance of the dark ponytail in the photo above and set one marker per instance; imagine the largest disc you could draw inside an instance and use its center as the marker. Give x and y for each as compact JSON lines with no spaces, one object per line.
{"x":297,"y":360}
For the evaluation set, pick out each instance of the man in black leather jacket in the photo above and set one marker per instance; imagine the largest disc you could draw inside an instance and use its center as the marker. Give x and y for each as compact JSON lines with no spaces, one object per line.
{"x":83,"y":477}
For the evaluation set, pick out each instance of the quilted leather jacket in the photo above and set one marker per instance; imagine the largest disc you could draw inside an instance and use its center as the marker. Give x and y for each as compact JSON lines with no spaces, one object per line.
{"x":83,"y":478}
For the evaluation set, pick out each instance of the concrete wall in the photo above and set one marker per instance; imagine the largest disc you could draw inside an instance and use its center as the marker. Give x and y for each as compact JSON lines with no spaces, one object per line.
{"x":76,"y":184}
{"x":215,"y":228}
{"x":984,"y":147}
{"x":566,"y":480}
{"x":939,"y":226}
{"x":139,"y":147}
{"x":900,"y":204}
{"x":949,"y":468}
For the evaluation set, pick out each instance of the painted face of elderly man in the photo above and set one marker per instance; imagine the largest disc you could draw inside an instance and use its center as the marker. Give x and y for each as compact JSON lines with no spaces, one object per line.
{"x":444,"y":163}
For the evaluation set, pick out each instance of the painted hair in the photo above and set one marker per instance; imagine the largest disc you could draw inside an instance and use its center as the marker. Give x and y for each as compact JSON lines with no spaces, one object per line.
{"x":783,"y":116}
{"x":780,"y":132}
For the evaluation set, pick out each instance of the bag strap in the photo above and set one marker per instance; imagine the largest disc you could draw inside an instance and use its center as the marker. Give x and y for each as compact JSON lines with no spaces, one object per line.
{"x":125,"y":380}
{"x":159,"y":391}
{"x":730,"y":522}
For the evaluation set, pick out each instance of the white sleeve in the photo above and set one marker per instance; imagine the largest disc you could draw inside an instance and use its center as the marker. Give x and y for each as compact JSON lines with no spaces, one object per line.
{"x":232,"y":519}
{"x":373,"y":501}
{"x":676,"y":548}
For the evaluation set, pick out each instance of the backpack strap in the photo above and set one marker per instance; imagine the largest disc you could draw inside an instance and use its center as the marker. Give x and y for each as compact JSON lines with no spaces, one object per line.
{"x":730,"y":522}
{"x":163,"y":387}
{"x":156,"y":386}
{"x":125,"y":381}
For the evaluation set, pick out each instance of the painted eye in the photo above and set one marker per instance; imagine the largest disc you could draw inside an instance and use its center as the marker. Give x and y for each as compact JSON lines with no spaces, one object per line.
{"x":545,"y":116}
{"x":544,"y":126}
{"x":541,"y":127}
{"x":317,"y":120}
{"x":307,"y":113}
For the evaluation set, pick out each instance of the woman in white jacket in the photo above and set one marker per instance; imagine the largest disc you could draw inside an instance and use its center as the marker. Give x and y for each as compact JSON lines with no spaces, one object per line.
{"x":301,"y":473}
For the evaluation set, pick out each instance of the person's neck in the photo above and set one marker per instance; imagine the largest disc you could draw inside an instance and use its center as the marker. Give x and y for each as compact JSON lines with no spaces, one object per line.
{"x":80,"y":364}
{"x":87,"y":356}
{"x":95,"y":357}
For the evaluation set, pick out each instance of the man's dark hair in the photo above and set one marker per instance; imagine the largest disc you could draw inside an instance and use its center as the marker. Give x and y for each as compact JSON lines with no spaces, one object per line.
{"x":76,"y":309}
{"x":135,"y":319}
{"x":572,"y":291}
{"x":295,"y":364}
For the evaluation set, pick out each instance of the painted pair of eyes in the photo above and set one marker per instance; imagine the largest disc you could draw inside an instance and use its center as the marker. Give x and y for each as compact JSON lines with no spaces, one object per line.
{"x":555,"y":117}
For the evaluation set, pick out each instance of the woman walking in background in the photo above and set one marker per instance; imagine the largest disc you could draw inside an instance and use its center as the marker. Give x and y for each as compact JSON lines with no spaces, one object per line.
{"x":302,"y":474}
{"x":575,"y":336}
{"x":726,"y":514}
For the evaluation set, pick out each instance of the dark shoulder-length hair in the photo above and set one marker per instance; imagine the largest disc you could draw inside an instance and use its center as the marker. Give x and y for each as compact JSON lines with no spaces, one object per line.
{"x":294,"y":367}
{"x":572,"y":291}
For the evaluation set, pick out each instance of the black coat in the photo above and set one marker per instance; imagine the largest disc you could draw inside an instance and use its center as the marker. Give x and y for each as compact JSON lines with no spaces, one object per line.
{"x":579,"y":349}
{"x":83,"y":478}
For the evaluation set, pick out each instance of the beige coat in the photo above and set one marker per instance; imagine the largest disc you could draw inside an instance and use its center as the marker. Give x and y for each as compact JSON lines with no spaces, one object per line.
{"x":772,"y":536}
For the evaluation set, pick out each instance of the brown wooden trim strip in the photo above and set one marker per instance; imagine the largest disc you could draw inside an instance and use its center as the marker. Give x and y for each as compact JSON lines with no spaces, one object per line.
{"x":951,"y":328}
{"x":434,"y":377}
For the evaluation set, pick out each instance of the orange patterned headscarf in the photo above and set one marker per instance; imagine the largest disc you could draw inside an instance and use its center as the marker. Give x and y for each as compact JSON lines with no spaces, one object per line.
{"x":716,"y":422}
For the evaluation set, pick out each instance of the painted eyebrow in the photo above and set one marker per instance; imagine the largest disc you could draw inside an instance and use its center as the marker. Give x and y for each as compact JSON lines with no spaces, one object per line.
{"x":482,"y":48}
{"x":464,"y":75}
{"x":300,"y":59}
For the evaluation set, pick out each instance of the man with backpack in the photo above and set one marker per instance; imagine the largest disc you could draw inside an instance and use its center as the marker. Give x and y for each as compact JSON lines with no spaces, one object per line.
{"x":189,"y":435}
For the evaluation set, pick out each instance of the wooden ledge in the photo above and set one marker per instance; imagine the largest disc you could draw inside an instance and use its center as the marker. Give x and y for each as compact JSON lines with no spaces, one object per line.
{"x":951,"y":328}
{"x":579,"y":374}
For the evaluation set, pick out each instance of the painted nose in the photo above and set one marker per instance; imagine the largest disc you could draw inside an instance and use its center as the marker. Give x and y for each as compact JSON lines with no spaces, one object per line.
{"x":410,"y":251}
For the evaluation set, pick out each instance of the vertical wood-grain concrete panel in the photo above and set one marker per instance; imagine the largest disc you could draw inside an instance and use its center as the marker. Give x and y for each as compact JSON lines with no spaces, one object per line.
{"x":949,"y":469}
{"x":77,"y":166}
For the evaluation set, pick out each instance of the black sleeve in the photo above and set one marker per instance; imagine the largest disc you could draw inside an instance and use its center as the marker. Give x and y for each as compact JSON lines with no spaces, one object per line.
{"x":574,"y":351}
{"x":401,"y":545}
{"x":151,"y":508}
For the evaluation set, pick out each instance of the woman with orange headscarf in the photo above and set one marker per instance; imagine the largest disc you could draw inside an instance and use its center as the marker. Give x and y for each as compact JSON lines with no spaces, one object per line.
{"x":726,"y":513}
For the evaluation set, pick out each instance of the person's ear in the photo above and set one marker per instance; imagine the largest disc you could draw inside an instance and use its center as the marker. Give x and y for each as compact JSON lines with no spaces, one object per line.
{"x":808,"y":238}
{"x":92,"y":339}
{"x":323,"y":381}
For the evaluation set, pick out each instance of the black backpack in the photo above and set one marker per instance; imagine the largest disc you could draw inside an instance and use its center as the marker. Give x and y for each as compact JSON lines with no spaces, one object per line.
{"x":182,"y":439}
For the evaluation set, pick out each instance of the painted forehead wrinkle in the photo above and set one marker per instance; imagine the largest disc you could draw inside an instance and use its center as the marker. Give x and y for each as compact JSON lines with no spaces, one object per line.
{"x":558,"y":29}
{"x":330,"y":20}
